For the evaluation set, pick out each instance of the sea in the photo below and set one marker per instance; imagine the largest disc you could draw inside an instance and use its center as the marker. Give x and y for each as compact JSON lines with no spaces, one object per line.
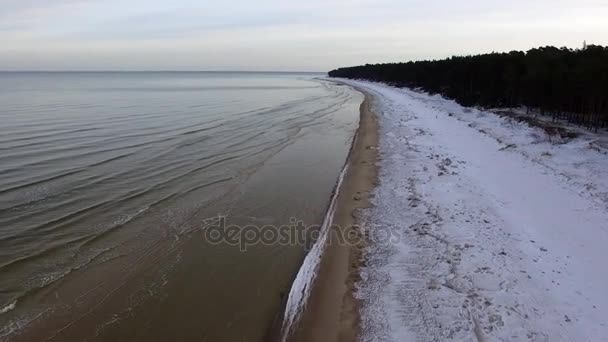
{"x":162,"y":206}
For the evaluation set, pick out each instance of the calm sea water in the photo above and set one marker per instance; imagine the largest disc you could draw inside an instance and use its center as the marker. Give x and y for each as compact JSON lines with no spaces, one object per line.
{"x":107,"y":181}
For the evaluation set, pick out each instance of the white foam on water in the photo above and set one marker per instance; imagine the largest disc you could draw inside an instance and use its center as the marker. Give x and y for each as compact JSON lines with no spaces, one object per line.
{"x":8,"y":308}
{"x":300,"y":289}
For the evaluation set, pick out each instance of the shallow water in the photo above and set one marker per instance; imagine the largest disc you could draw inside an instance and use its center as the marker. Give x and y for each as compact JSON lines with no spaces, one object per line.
{"x":108,"y":182}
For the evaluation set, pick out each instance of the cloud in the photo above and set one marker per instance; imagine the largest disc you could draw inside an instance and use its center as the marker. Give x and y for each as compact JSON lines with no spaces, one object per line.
{"x":269,"y":34}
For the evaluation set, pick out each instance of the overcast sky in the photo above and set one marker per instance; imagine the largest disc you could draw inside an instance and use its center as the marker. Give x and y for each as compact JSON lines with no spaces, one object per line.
{"x":314,"y":35}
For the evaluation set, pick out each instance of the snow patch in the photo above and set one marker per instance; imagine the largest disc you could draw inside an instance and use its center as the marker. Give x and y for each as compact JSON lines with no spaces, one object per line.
{"x":503,"y":231}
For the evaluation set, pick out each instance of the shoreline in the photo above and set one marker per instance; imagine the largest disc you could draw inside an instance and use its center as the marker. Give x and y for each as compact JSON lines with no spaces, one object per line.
{"x":332,"y":311}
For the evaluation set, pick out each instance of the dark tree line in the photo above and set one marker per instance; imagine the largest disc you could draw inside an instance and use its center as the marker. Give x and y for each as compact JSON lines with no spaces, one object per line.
{"x":565,"y":83}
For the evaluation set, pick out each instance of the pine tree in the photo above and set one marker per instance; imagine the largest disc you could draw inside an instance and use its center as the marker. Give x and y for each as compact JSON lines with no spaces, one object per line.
{"x":568,"y":84}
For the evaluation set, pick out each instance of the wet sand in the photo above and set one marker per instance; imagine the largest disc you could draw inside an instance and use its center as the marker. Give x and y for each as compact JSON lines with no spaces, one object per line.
{"x":332,"y":312}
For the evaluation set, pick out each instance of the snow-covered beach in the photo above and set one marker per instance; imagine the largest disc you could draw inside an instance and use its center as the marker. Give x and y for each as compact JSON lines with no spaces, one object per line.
{"x":500,"y":233}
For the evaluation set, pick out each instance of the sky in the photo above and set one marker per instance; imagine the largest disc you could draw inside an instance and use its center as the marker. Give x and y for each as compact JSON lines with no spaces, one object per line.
{"x":302,"y":35}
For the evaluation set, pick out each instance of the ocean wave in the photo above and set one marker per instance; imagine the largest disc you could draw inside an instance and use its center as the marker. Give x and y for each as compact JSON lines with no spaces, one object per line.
{"x":8,"y":307}
{"x":301,"y":286}
{"x":109,"y":180}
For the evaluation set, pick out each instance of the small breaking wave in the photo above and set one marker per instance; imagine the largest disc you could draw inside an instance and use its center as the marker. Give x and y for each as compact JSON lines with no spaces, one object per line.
{"x":8,"y":307}
{"x":300,"y":289}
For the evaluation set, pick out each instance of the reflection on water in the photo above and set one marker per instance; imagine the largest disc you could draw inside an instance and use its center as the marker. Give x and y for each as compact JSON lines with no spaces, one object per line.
{"x":106,"y":179}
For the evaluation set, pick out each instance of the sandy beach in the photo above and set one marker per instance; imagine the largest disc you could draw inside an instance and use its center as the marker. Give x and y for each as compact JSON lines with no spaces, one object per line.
{"x":332,"y":312}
